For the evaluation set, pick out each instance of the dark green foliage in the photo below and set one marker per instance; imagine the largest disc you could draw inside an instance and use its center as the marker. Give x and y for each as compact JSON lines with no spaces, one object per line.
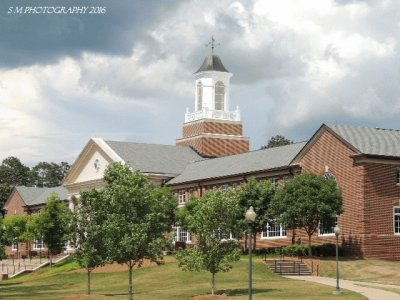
{"x":48,"y":174}
{"x":54,"y":225}
{"x":276,"y":141}
{"x":324,"y":250}
{"x":5,"y":191}
{"x":13,"y":172}
{"x":258,"y":194}
{"x":89,"y":241}
{"x":305,"y":201}
{"x":210,"y":218}
{"x":136,"y":217}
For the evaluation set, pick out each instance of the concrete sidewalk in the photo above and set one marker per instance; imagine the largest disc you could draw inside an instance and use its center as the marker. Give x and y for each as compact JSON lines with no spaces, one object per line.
{"x":372,"y":292}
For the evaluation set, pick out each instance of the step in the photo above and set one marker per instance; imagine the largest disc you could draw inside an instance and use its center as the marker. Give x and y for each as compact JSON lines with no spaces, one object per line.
{"x":288,"y":267}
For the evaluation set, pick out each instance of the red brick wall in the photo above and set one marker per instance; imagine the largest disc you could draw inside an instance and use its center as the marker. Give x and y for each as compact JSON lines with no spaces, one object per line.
{"x":329,"y":151}
{"x":216,"y":146}
{"x":15,"y":206}
{"x":380,"y":196}
{"x":208,"y":126}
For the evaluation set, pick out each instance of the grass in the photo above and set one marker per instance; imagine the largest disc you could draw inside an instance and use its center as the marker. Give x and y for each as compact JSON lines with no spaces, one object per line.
{"x":367,"y":271}
{"x":378,"y":271}
{"x":163,"y":282}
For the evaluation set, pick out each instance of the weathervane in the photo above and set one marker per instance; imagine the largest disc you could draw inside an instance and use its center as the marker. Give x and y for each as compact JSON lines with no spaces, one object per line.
{"x":213,"y":44}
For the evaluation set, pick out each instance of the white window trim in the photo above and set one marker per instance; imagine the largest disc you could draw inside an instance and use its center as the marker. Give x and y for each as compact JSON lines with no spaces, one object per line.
{"x":267,"y":237}
{"x":176,"y":230}
{"x":35,"y":245}
{"x":181,"y":197}
{"x":394,"y":220}
{"x":328,"y":234}
{"x":398,"y":176}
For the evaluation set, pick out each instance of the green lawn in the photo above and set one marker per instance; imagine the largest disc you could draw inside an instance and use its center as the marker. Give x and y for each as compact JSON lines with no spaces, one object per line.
{"x":371,"y":270}
{"x":163,"y":282}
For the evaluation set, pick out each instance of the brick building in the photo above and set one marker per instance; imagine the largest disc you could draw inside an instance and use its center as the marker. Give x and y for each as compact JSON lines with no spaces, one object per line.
{"x":213,"y":153}
{"x":28,"y":201}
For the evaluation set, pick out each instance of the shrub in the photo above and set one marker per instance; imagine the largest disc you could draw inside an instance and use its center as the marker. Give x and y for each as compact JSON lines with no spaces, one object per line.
{"x":294,"y":250}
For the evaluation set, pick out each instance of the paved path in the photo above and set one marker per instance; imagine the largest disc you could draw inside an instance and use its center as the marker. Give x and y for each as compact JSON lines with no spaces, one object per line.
{"x":360,"y":287}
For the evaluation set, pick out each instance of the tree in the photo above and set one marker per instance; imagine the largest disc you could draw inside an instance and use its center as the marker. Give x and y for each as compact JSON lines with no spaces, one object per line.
{"x":13,"y":172}
{"x":212,"y":219}
{"x":305,"y":201}
{"x":15,"y":228}
{"x":259,"y":195}
{"x":48,"y":174}
{"x":276,"y":141}
{"x":2,"y":238}
{"x":90,"y":251}
{"x":54,"y":225}
{"x":137,"y":217}
{"x":5,"y":191}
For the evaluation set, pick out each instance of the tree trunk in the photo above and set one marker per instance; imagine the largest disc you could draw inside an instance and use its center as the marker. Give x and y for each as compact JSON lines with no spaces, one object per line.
{"x":130,"y":282}
{"x":293,"y":236}
{"x":309,"y":245}
{"x":212,"y":283}
{"x":50,"y":258}
{"x":88,"y":281}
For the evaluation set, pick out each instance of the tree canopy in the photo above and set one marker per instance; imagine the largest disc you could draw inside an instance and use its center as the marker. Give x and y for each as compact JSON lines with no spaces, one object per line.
{"x":137,"y":217}
{"x":90,"y":251}
{"x":54,"y":224}
{"x":276,"y":141}
{"x":305,"y":201}
{"x":212,"y":219}
{"x":259,"y":194}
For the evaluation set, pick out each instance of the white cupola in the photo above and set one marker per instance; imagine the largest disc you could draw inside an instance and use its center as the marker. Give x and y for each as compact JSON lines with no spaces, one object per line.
{"x":212,"y":82}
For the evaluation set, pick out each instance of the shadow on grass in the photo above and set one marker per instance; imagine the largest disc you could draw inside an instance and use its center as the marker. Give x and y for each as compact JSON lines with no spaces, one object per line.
{"x":241,"y":292}
{"x":115,"y":294}
{"x":29,"y":290}
{"x":10,"y":283}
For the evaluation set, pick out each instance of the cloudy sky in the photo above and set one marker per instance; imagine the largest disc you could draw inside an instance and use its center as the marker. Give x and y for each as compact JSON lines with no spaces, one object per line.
{"x":126,"y":74}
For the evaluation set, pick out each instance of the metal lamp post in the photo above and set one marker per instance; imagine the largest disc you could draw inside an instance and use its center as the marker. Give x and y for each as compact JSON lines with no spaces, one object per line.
{"x":250,"y":218}
{"x":337,"y":232}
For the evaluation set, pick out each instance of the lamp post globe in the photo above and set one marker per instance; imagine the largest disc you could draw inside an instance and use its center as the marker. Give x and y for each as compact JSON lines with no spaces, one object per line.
{"x":250,"y":217}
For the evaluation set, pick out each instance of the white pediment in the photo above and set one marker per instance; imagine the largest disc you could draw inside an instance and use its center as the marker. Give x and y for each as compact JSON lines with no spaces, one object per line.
{"x":91,"y":163}
{"x":94,"y":168}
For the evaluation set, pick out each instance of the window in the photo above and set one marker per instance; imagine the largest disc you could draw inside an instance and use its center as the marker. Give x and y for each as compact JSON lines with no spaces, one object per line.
{"x":274,"y":230}
{"x":396,"y":220}
{"x":328,"y":227}
{"x":224,"y":187}
{"x":199,"y":95}
{"x":219,"y":95}
{"x":234,"y":186}
{"x":224,"y":235}
{"x":181,"y":235}
{"x":14,"y":246}
{"x":275,"y":181}
{"x":182,"y":197}
{"x":38,"y":244}
{"x":329,"y":176}
{"x":398,"y":175}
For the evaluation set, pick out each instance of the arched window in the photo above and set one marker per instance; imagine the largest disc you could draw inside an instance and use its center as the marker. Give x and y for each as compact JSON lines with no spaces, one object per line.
{"x":219,"y":95}
{"x":199,"y":95}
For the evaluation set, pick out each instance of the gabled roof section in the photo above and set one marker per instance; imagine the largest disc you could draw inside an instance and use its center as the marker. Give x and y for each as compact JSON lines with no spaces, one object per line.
{"x":212,"y":63}
{"x":244,"y":163}
{"x":154,"y":158}
{"x":29,"y":194}
{"x":370,"y":141}
{"x":39,"y":195}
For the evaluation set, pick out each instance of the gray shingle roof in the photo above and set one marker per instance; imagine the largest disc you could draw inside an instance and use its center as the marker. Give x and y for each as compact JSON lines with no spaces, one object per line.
{"x":372,"y":141}
{"x":153,"y":158}
{"x":248,"y":162}
{"x":212,"y":63}
{"x":37,"y":195}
